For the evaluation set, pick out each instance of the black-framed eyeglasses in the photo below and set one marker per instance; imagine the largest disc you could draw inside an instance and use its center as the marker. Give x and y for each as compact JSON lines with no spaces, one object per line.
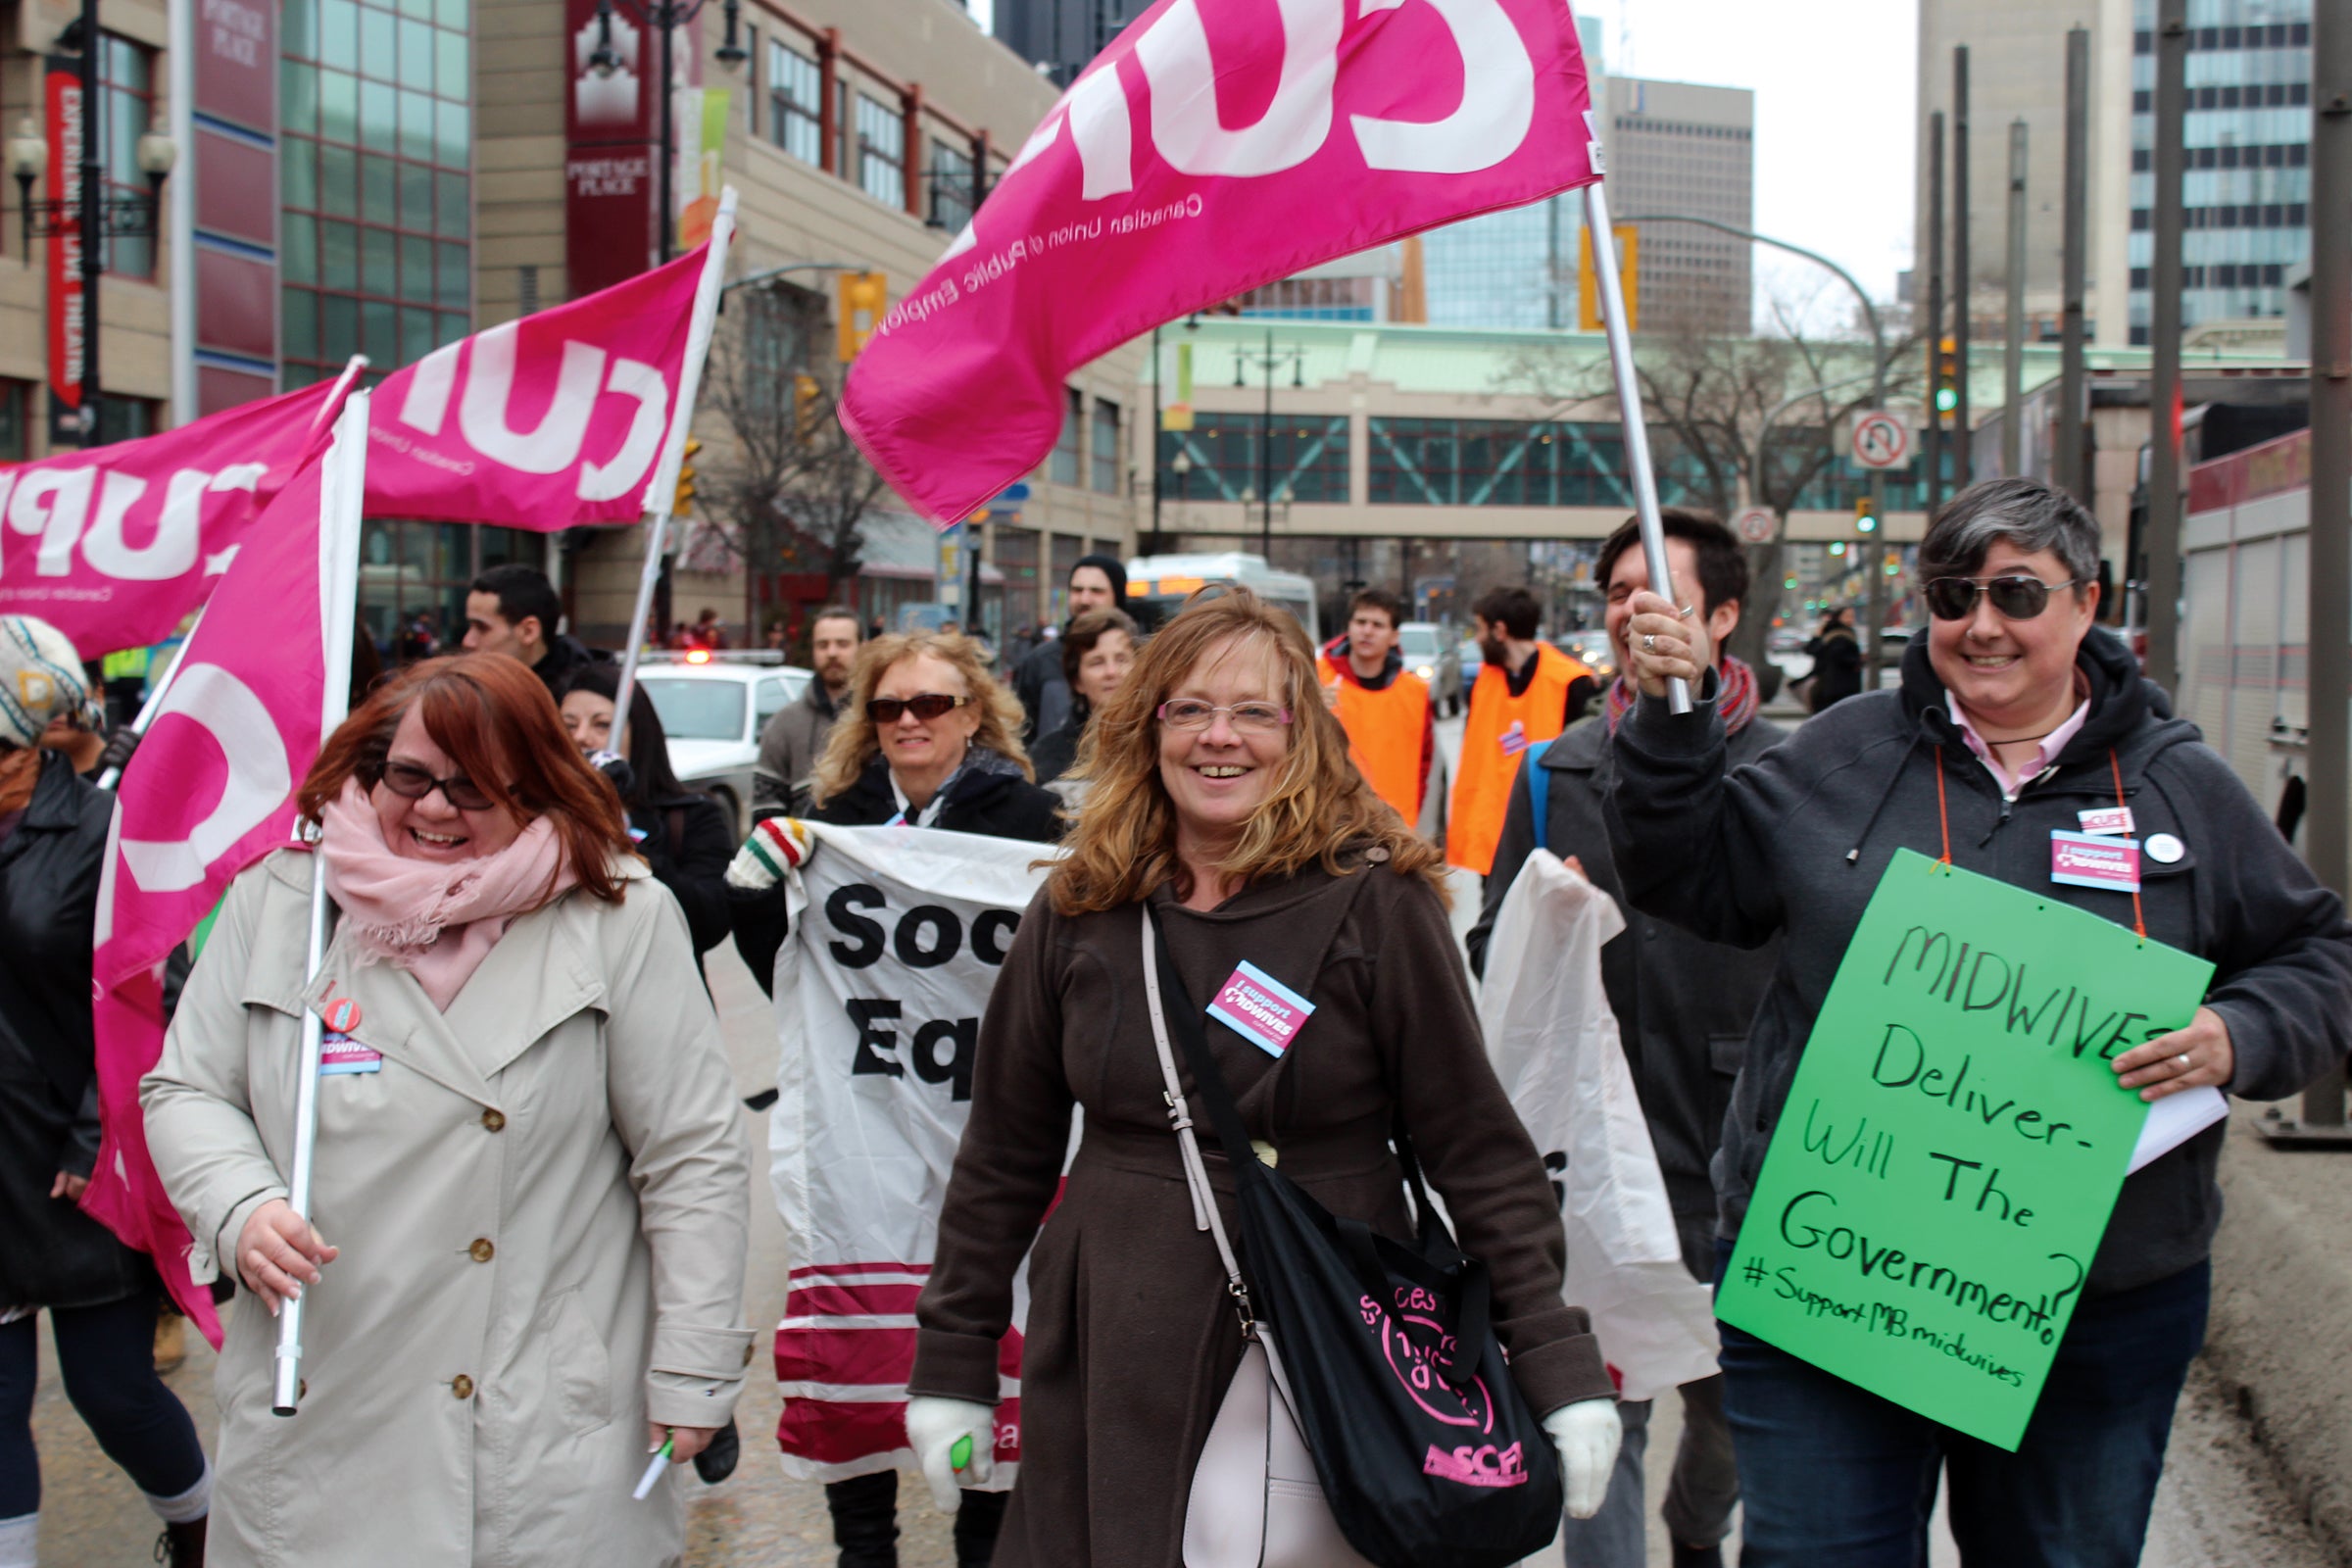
{"x":926,"y":706}
{"x":413,"y":783}
{"x":2018,"y":598}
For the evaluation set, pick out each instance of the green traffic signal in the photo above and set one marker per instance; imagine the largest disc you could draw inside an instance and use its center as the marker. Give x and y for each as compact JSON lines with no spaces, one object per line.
{"x":1946,"y":399}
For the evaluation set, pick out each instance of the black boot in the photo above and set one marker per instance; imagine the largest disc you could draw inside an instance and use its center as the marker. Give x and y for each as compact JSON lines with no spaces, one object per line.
{"x":865,"y":1519}
{"x":181,"y":1545}
{"x":1687,"y":1556}
{"x":978,"y":1517}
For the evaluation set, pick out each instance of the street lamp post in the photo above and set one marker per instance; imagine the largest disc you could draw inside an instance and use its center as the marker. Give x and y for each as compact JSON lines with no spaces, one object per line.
{"x":1878,"y":392}
{"x":668,"y":15}
{"x":92,"y":216}
{"x":1268,"y":360}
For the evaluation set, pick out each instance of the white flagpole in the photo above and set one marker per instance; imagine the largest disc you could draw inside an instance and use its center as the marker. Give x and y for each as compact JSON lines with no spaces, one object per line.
{"x":1628,"y":410}
{"x":665,"y":486}
{"x":342,"y":498}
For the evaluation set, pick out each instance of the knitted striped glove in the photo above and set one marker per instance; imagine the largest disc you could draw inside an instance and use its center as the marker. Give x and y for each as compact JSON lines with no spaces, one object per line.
{"x":777,"y":844}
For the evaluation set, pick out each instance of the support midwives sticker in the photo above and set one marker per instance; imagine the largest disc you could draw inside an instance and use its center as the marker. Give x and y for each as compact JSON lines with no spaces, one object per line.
{"x":1261,"y":1009}
{"x":2085,"y":860}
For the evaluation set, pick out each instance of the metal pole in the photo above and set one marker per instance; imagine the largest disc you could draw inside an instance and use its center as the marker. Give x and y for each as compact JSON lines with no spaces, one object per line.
{"x":286,"y":1393}
{"x":1265,"y":459}
{"x":1931,"y":452}
{"x":2163,"y":538}
{"x":1963,"y":281}
{"x":92,"y":222}
{"x":667,"y":220}
{"x":1156,"y":438}
{"x":2328,"y":769}
{"x":2013,"y":324}
{"x":2074,"y":466}
{"x":1628,"y":410}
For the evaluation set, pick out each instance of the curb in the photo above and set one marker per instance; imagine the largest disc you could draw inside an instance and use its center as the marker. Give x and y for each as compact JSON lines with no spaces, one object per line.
{"x":2280,"y":1337}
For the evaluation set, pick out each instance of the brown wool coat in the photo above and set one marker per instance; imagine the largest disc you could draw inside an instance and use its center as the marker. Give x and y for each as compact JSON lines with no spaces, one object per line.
{"x":1130,"y":1337}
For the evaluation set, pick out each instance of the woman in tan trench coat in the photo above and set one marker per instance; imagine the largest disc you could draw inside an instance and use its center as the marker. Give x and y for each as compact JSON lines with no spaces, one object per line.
{"x":1222,"y":797}
{"x":530,"y":1162}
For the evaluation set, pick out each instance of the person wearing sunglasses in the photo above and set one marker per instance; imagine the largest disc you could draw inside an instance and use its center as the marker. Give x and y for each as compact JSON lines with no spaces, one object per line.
{"x":926,"y":738}
{"x":1224,"y":802}
{"x":2017,"y":716}
{"x":523,"y":1268}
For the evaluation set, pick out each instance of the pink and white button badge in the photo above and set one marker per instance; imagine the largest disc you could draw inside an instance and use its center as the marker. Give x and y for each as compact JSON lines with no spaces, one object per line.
{"x":1262,"y":1010}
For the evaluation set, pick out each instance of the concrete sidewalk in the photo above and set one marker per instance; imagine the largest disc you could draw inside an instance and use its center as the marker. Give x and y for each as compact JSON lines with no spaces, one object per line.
{"x":2280,"y":1339}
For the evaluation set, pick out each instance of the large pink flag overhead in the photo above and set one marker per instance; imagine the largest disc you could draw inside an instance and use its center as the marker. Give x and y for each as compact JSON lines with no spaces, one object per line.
{"x":262,"y":680}
{"x":1215,"y":146}
{"x":115,"y":545}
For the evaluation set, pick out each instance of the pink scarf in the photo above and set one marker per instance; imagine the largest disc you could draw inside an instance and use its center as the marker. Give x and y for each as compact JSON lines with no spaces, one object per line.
{"x":1736,"y":696}
{"x":437,"y":921}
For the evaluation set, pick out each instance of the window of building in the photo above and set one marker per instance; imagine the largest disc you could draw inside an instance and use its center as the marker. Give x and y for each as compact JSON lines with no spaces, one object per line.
{"x":375,"y":173}
{"x":126,"y":112}
{"x":1062,"y":468}
{"x":413,"y":578}
{"x":16,"y":399}
{"x":950,"y":185}
{"x":1307,"y":459}
{"x":796,"y":104}
{"x":881,"y":151}
{"x":1107,"y":465}
{"x":121,"y":419}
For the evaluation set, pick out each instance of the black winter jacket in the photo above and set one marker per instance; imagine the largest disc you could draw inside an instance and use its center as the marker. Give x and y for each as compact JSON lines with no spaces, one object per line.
{"x":995,"y":804}
{"x":1793,"y":844}
{"x":1682,"y":1004}
{"x":687,"y":845}
{"x":51,"y":1252}
{"x":1044,"y":691}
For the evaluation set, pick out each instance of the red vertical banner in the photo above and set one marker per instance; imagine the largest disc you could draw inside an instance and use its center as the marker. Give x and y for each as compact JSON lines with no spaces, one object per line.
{"x":66,"y":315}
{"x":609,"y":174}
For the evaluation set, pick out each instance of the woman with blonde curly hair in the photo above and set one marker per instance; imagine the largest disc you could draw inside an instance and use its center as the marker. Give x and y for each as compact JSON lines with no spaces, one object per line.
{"x":927,"y":739}
{"x":1224,"y":805}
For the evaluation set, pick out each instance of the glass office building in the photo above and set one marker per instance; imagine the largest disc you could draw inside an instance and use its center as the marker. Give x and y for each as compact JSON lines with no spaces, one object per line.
{"x":2246,"y":192}
{"x":1510,"y":269}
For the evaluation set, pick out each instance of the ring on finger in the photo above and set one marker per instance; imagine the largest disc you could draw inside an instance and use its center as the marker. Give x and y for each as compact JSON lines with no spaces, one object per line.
{"x":1649,"y":642}
{"x":2183,"y":1059}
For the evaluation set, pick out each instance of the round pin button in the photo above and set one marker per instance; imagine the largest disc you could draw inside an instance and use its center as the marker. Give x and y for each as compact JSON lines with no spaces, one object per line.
{"x":2164,"y":849}
{"x":342,"y":1016}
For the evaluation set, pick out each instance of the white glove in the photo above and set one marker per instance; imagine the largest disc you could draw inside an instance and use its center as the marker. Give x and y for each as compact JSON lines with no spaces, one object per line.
{"x":1587,"y":1434}
{"x":932,"y":1427}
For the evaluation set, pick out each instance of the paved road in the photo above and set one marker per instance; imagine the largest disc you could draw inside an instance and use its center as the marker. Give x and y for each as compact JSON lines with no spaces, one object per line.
{"x":2221,"y":1505}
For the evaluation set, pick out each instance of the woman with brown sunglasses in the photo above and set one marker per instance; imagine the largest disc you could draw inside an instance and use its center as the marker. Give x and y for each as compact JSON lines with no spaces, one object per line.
{"x":522,"y":1269}
{"x":2020,"y":725}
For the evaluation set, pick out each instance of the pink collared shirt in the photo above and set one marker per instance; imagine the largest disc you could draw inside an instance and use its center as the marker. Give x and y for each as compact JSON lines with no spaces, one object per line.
{"x":2051,"y":744}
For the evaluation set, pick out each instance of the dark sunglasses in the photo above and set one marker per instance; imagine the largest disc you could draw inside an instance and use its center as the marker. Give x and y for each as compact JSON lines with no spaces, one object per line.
{"x":2017,"y":598}
{"x":926,"y":706}
{"x":413,"y":783}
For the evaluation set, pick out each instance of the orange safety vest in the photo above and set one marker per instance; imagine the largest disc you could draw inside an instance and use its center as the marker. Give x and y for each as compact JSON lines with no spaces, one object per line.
{"x":1499,"y":727}
{"x":1391,"y":734}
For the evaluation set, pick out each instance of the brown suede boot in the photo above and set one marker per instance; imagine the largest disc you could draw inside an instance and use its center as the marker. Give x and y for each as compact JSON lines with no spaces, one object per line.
{"x":171,"y":1342}
{"x":181,"y":1545}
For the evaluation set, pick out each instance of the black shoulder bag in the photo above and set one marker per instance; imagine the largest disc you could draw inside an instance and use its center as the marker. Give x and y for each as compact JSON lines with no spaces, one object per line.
{"x":1425,"y":1449}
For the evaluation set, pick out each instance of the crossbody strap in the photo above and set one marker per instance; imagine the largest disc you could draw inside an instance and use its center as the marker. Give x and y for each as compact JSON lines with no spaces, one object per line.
{"x":1180,"y":1116}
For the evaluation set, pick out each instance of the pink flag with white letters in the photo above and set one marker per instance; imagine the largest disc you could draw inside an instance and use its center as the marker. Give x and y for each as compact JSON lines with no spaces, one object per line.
{"x":115,"y":545}
{"x":1215,"y":146}
{"x":572,"y":414}
{"x":262,"y":681}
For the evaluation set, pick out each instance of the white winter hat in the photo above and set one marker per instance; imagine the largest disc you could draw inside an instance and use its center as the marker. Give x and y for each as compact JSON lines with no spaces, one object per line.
{"x":40,"y":677}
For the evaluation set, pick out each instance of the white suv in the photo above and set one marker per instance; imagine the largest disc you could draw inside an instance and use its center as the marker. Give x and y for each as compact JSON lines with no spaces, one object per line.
{"x":714,"y":707}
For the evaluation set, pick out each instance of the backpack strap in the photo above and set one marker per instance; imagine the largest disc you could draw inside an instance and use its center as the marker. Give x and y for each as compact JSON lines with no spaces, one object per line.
{"x":1539,"y":789}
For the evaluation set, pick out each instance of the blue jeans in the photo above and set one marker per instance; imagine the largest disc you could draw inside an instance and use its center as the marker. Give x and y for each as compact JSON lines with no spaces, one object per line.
{"x":1832,"y":1477}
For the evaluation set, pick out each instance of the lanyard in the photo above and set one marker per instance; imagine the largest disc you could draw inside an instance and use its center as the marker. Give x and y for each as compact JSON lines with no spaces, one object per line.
{"x":2140,"y":924}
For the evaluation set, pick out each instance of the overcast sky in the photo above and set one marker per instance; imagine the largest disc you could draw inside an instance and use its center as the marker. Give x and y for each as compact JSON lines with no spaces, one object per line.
{"x":1834,"y":83}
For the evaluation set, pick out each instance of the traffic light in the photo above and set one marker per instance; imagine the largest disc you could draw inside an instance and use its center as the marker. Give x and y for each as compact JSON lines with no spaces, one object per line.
{"x":863,"y":298}
{"x":684,"y":502}
{"x":1865,"y":520}
{"x":806,"y":394}
{"x":1947,"y":375}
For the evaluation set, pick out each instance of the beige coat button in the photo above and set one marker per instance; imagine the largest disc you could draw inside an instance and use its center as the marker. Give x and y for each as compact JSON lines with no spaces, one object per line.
{"x":496,"y":1122}
{"x":462,"y":1386}
{"x":481,"y":1250}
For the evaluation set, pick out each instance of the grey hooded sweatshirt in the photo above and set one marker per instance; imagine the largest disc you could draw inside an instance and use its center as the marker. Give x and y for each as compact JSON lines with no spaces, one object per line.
{"x":1792,"y":845}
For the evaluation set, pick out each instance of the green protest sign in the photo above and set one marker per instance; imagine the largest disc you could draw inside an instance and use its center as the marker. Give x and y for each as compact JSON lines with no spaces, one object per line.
{"x":1953,"y":1143}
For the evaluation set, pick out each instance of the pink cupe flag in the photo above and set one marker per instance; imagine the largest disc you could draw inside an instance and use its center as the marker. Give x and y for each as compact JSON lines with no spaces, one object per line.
{"x":1215,"y":146}
{"x":115,"y":545}
{"x":571,"y":415}
{"x":260,"y":683}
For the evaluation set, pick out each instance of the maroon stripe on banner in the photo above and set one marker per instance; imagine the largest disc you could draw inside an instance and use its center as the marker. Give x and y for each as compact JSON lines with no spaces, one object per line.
{"x":851,"y":1300}
{"x":842,"y":1431}
{"x":880,"y":1357}
{"x":860,"y":1268}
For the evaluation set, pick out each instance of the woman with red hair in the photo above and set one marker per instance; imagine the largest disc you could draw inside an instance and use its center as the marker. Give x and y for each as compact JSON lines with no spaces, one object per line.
{"x":529,"y":1156}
